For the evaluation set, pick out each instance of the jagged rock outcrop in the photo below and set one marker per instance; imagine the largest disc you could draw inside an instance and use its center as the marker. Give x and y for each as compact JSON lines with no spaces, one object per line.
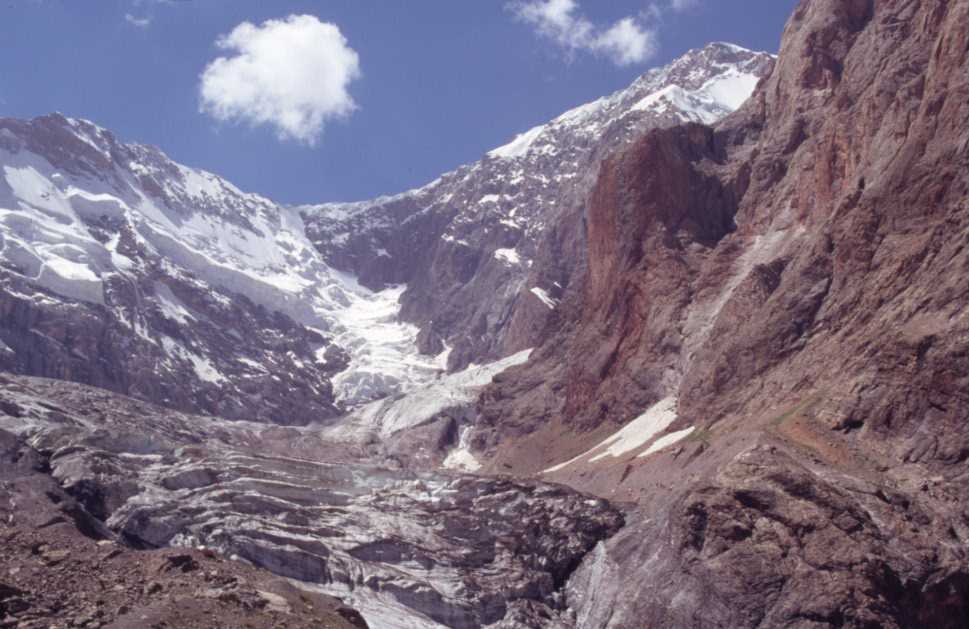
{"x":789,"y":279}
{"x":776,"y":538}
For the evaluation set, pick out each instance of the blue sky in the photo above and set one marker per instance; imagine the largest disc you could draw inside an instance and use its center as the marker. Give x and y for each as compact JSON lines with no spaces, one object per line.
{"x":417,"y":88}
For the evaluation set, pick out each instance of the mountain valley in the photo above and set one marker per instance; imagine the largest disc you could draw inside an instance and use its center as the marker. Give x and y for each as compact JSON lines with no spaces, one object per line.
{"x":691,"y":355}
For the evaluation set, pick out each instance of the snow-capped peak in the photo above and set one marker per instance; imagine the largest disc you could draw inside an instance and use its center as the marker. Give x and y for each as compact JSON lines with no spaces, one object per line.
{"x":702,"y":86}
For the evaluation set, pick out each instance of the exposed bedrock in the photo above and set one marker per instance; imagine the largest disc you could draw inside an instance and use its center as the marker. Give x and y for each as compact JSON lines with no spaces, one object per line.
{"x":793,"y":279}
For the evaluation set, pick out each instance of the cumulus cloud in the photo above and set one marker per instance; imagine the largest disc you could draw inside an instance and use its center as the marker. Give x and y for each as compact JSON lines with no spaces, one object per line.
{"x":291,"y":74}
{"x":626,"y":42}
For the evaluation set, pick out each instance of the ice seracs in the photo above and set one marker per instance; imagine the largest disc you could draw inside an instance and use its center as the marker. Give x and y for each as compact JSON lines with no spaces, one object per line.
{"x":383,"y":418}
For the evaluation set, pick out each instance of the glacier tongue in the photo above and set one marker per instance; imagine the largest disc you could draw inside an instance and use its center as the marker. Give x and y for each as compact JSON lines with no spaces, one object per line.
{"x":474,"y":245}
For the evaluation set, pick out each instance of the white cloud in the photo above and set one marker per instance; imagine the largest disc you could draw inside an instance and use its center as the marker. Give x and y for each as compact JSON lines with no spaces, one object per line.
{"x":140,"y":22}
{"x":291,"y":74}
{"x":626,"y":42}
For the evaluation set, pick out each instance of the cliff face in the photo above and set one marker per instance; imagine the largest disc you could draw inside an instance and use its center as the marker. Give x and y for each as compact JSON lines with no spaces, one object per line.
{"x":811,"y":241}
{"x":791,"y":282}
{"x":866,"y":305}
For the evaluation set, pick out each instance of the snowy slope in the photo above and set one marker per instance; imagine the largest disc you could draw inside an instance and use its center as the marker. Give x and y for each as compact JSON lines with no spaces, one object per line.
{"x":62,"y":220}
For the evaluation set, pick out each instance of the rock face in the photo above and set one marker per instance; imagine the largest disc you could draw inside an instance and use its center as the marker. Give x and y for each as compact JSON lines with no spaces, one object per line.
{"x":804,"y":209}
{"x":478,"y":248}
{"x":776,"y":538}
{"x":123,"y":269}
{"x":406,"y":548}
{"x":790,"y":280}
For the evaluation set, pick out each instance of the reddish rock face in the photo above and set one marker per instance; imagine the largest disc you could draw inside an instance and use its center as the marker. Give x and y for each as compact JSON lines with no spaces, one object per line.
{"x":796,"y":278}
{"x":811,"y":242}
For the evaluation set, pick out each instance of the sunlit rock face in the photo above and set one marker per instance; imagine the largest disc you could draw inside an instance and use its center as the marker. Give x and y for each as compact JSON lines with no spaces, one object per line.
{"x":789,"y":277}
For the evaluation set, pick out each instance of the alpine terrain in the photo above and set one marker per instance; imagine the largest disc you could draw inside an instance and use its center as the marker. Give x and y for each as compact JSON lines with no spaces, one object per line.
{"x":694,"y":354}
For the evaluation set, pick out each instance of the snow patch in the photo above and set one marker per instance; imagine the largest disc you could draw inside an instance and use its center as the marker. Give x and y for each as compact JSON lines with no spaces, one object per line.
{"x":70,"y":270}
{"x":171,"y":306}
{"x":204,"y":369}
{"x":731,"y":89}
{"x":519,"y":146}
{"x":508,"y":257}
{"x":717,"y":97}
{"x":667,"y":440}
{"x":633,"y":435}
{"x":545,"y":298}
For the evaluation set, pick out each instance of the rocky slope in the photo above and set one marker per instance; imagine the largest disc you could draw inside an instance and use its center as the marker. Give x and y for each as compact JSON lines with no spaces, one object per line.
{"x":766,"y":352}
{"x":471,"y":246}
